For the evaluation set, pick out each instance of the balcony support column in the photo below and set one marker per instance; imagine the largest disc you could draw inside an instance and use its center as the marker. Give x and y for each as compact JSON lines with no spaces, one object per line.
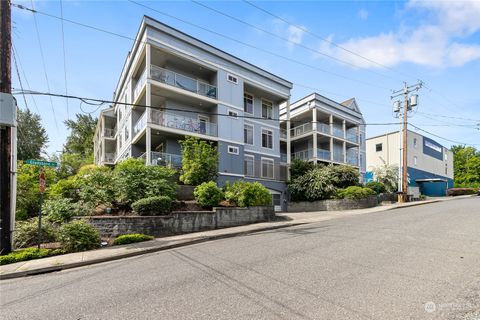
{"x":148,"y":146}
{"x":314,"y":130}
{"x":148,"y":59}
{"x":344,"y":128}
{"x":331,"y":149}
{"x":344,"y":152}
{"x":331,"y":125}
{"x":289,"y":147}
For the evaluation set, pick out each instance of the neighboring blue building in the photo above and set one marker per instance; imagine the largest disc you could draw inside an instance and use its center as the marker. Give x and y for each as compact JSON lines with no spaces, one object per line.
{"x":430,"y":165}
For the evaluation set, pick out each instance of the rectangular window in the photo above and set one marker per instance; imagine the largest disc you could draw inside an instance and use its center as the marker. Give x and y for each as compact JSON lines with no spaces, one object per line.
{"x":378,"y":147}
{"x":232,"y":114}
{"x":267,"y":109}
{"x":233,"y":150}
{"x":267,"y":139}
{"x":248,"y":134}
{"x":267,"y":168}
{"x":415,"y":143}
{"x":276,"y":199}
{"x":248,"y":103}
{"x":232,"y":78}
{"x":415,"y":160}
{"x":249,"y":166}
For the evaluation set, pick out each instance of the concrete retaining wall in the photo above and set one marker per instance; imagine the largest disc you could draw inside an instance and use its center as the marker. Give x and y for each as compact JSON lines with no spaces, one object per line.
{"x":180,"y":222}
{"x":332,"y":205}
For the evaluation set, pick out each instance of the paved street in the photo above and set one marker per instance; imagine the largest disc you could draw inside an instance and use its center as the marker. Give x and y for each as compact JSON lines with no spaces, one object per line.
{"x":384,"y":265}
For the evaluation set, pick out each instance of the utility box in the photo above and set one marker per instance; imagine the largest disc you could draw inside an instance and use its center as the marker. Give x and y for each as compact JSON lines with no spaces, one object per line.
{"x":8,"y":110}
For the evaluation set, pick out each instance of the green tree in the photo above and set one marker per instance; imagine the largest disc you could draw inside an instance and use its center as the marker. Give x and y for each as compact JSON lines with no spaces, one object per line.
{"x":199,"y":161}
{"x":32,"y":137}
{"x":299,"y":168}
{"x":466,"y":166}
{"x":82,"y":130}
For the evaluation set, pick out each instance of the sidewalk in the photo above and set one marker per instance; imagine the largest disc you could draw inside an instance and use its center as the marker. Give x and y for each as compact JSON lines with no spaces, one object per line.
{"x":78,"y":259}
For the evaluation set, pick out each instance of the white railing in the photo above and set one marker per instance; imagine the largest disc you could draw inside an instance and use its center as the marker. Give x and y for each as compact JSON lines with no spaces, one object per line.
{"x":109,"y":132}
{"x":301,"y":129}
{"x":323,"y":154}
{"x":183,"y":82}
{"x":109,"y":157}
{"x":140,"y":83}
{"x":183,"y":122}
{"x":140,"y":124}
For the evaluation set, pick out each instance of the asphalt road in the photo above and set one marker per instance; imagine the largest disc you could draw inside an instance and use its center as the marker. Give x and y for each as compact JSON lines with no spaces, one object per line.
{"x":421,"y":262}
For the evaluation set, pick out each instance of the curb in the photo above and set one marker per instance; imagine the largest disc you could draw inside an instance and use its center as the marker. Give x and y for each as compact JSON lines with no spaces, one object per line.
{"x":20,"y":274}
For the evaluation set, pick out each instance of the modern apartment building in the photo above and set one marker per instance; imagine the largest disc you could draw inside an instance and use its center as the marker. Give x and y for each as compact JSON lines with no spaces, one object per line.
{"x":324,"y":131}
{"x":429,"y":164}
{"x":173,"y":85}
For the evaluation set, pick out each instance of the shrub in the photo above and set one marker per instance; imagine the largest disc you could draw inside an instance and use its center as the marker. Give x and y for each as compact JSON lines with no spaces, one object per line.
{"x":158,"y":205}
{"x":24,"y":255}
{"x":355,"y":192}
{"x":26,"y":233}
{"x":208,"y":194}
{"x":388,"y":175}
{"x":299,"y":168}
{"x":199,"y":161}
{"x":95,"y":185}
{"x":131,"y":238}
{"x":58,"y":210}
{"x":134,"y":181}
{"x":461,"y":191}
{"x":376,"y":186}
{"x":344,"y":175}
{"x":317,"y":184}
{"x":246,"y":194}
{"x":65,"y":188}
{"x":78,"y":236}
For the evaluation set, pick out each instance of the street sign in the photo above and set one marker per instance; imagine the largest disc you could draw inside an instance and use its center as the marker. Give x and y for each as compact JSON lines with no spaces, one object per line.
{"x":42,"y":182}
{"x":41,"y":163}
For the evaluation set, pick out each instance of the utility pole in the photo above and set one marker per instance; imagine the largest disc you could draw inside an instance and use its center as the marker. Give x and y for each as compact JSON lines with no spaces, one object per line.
{"x":407,"y":106}
{"x":5,"y":131}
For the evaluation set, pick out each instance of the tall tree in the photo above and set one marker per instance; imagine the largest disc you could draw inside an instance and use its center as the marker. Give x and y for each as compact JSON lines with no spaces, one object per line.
{"x":466,"y":166}
{"x":82,"y":130}
{"x":32,"y":136}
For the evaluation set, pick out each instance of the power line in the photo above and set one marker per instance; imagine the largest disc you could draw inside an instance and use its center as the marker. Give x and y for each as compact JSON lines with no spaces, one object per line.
{"x":44,"y":66}
{"x":17,"y":59}
{"x":449,"y":117}
{"x":286,"y":39}
{"x":440,"y":137}
{"x":64,"y":58}
{"x":18,"y":75}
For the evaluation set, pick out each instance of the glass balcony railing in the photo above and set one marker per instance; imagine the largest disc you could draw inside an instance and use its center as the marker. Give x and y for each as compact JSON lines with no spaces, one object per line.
{"x":283,"y":157}
{"x":283,"y":133}
{"x":109,"y":133}
{"x":184,"y":123}
{"x":303,"y":155}
{"x":323,"y":127}
{"x":183,"y":82}
{"x":338,"y":132}
{"x":301,"y":129}
{"x":140,"y":124}
{"x":163,"y":159}
{"x":338,"y":157}
{"x":109,"y":157}
{"x":352,"y":137}
{"x":323,"y":154}
{"x":139,"y":85}
{"x":352,"y":160}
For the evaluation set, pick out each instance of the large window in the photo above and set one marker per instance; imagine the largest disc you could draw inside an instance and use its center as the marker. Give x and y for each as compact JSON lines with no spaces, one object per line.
{"x":248,"y":134}
{"x":248,"y":103}
{"x":267,"y":109}
{"x":249,"y":166}
{"x":267,"y":168}
{"x":267,"y":139}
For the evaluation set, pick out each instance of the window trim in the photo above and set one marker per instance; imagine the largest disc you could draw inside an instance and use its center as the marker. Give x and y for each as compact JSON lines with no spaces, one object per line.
{"x":271,"y":131}
{"x":253,"y":134}
{"x":271,"y":105}
{"x":229,"y":75}
{"x":261,"y":168}
{"x":253,"y":102}
{"x":253,"y":164}
{"x":235,"y":150}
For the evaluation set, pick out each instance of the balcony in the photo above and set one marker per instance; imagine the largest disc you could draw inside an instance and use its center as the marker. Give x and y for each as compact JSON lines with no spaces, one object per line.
{"x":265,"y":170}
{"x":302,"y":129}
{"x":352,"y":160}
{"x":183,"y":82}
{"x":283,"y":134}
{"x":184,"y":123}
{"x":139,"y":85}
{"x":352,"y":137}
{"x":338,"y":157}
{"x":109,"y":133}
{"x":164,"y":159}
{"x":303,"y":155}
{"x":323,"y":127}
{"x":283,"y":157}
{"x":109,"y":157}
{"x":140,"y":124}
{"x":323,"y":154}
{"x":338,"y":132}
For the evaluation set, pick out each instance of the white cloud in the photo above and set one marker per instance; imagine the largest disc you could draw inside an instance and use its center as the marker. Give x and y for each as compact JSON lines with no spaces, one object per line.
{"x":435,"y":43}
{"x":363,"y":14}
{"x":295,"y":35}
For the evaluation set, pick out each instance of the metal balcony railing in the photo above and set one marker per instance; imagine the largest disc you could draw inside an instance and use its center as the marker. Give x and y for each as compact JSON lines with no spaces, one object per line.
{"x":164,"y":159}
{"x":265,"y":170}
{"x":303,"y":155}
{"x":283,"y":157}
{"x":183,"y":82}
{"x":283,"y":133}
{"x":109,"y":157}
{"x":301,"y":129}
{"x":109,"y":133}
{"x":183,"y":122}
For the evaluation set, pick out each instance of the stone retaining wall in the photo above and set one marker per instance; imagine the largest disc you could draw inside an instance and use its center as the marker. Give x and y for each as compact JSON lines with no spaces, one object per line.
{"x":332,"y":205}
{"x":180,"y":222}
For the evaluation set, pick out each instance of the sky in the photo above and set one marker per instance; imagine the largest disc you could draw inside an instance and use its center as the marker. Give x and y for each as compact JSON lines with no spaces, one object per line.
{"x":340,"y":49}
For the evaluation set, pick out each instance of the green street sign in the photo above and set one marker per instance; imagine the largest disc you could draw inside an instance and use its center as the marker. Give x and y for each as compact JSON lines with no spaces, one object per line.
{"x":41,"y":163}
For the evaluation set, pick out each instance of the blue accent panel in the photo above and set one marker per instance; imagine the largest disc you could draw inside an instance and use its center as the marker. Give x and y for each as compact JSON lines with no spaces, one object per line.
{"x":368,"y":176}
{"x":432,"y":148}
{"x":432,"y":189}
